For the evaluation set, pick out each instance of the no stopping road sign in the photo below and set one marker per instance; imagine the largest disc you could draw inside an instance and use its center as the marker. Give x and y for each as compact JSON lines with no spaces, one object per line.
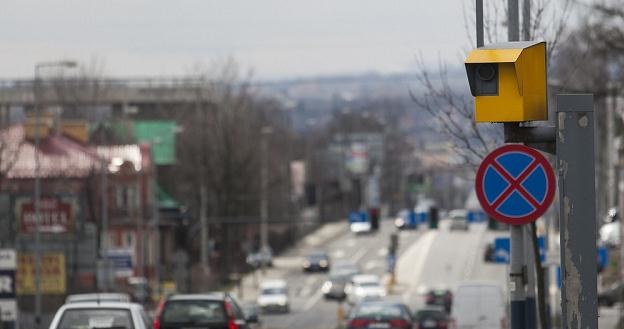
{"x":515,"y":184}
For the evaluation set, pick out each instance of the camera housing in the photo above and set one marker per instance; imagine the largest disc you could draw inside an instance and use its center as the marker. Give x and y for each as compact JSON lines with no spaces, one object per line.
{"x":508,"y":81}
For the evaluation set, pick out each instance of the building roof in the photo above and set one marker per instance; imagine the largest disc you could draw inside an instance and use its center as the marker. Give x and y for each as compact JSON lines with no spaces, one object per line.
{"x":60,"y":156}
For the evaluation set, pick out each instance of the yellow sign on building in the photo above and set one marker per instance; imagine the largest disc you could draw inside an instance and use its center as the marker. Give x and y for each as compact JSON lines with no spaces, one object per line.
{"x":52,"y":273}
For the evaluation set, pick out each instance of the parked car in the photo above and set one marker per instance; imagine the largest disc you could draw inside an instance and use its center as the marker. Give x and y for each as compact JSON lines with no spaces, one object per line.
{"x":479,"y":305}
{"x":440,"y":297}
{"x":212,"y":310}
{"x":316,"y":261}
{"x":361,"y":227}
{"x":380,"y":315}
{"x":364,"y":287}
{"x":103,"y":314}
{"x":256,"y":259}
{"x":459,"y":220}
{"x":431,"y":318}
{"x":273,"y":296}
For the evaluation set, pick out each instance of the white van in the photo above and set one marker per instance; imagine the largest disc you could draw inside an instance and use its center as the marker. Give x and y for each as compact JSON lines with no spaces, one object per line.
{"x":479,"y":306}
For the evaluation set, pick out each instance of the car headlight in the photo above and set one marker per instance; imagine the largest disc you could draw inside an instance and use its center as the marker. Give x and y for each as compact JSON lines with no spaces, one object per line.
{"x":306,"y":264}
{"x":326,"y":287}
{"x":281,"y":303}
{"x":323,"y":263}
{"x":399,"y":222}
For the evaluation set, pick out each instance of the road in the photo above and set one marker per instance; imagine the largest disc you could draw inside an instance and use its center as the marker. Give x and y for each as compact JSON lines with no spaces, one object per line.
{"x":427,"y":258}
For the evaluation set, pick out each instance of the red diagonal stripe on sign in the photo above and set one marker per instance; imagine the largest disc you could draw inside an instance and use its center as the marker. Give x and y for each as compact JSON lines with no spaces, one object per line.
{"x":515,"y":184}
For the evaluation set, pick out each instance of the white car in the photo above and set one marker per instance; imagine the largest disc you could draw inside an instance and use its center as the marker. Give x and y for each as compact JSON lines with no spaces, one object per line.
{"x":101,"y":315}
{"x":273,"y":296}
{"x":459,"y":220}
{"x":364,"y":287}
{"x":98,"y":297}
{"x":360,"y":227}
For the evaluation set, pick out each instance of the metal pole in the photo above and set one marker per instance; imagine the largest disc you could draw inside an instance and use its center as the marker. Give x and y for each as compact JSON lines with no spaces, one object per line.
{"x":526,"y":20}
{"x":575,"y":159}
{"x":516,"y":264}
{"x":156,"y":217}
{"x":479,"y":19}
{"x":37,"y":197}
{"x":204,"y":227}
{"x":530,"y":306}
{"x":37,"y":187}
{"x":513,"y":31}
{"x":104,"y":233}
{"x":264,"y":204}
{"x":516,"y":278}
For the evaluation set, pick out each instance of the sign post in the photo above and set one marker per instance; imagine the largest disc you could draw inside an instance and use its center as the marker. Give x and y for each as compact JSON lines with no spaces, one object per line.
{"x":515,"y":184}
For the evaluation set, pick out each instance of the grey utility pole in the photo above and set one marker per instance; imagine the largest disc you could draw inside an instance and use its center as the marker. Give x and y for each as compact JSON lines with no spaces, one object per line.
{"x":575,"y":165}
{"x":530,"y":304}
{"x":264,"y":202}
{"x":517,"y":295}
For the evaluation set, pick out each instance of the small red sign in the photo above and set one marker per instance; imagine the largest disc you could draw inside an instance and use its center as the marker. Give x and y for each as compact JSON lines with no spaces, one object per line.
{"x":55,"y":216}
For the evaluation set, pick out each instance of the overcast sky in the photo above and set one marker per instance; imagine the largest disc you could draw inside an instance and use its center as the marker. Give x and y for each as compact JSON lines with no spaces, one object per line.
{"x":275,"y":38}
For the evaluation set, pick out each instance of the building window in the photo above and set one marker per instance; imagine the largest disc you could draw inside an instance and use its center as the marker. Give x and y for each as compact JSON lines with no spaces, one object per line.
{"x":126,"y":197}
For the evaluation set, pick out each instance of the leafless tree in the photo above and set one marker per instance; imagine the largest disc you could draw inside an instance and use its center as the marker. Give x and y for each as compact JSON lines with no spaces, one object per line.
{"x":219,"y":154}
{"x":450,"y":105}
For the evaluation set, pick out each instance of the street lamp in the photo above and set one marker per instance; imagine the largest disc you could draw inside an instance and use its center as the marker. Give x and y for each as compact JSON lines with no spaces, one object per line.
{"x":37,"y":194}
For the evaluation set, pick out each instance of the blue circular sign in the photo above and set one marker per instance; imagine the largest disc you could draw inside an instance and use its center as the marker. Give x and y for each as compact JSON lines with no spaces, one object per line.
{"x":515,"y":184}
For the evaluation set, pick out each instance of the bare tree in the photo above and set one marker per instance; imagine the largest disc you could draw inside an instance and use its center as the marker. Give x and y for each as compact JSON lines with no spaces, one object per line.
{"x":219,"y":156}
{"x":450,"y":105}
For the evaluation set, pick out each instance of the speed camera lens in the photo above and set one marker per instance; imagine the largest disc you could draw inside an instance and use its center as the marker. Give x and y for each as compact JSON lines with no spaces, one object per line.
{"x":486,"y":72}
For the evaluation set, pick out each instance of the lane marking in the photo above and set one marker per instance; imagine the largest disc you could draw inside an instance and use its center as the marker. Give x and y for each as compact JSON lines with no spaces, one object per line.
{"x":313,"y":300}
{"x":351,"y":242}
{"x":358,"y":255}
{"x":382,"y":252}
{"x":338,"y":253}
{"x":412,"y":261}
{"x":371,"y":264}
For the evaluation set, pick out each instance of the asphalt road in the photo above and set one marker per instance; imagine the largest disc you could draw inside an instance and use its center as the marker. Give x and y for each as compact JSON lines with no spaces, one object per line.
{"x":309,"y":310}
{"x":427,"y":258}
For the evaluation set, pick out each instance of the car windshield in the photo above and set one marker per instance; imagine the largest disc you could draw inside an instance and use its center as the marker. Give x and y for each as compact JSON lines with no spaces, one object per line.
{"x":193,"y":311}
{"x":274,"y":291}
{"x":379,"y":310}
{"x":92,"y":318}
{"x":430,"y":315}
{"x":368,"y":284}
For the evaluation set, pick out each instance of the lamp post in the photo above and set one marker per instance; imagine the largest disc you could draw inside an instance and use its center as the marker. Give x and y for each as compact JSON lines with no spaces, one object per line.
{"x":37,"y":192}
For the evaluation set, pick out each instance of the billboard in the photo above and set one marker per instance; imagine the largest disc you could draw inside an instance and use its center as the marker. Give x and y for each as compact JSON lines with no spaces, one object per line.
{"x":161,"y":135}
{"x":53,"y":279}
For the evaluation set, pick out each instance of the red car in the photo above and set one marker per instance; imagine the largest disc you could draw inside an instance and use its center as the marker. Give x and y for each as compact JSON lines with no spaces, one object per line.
{"x":382,"y":315}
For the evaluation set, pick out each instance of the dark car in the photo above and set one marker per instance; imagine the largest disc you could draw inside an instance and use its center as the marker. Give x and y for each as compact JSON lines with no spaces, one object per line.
{"x":611,"y":295}
{"x":334,"y":286}
{"x":380,"y":315}
{"x":212,"y":310}
{"x":317,"y":261}
{"x":440,"y":297}
{"x":431,"y":318}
